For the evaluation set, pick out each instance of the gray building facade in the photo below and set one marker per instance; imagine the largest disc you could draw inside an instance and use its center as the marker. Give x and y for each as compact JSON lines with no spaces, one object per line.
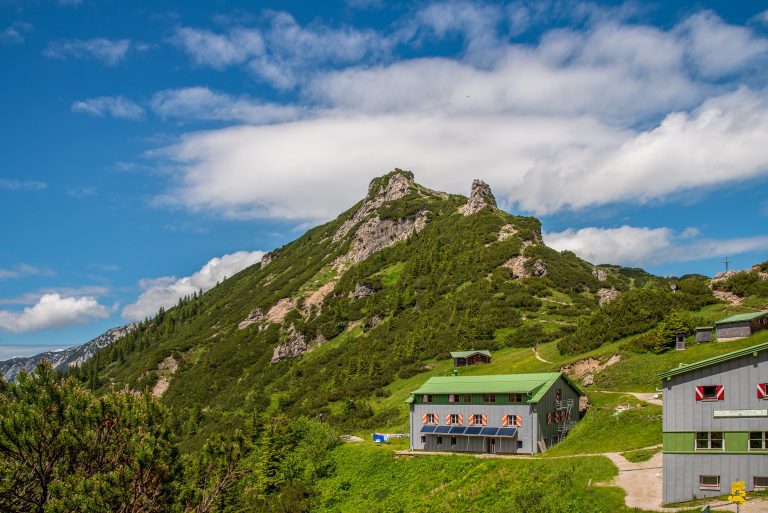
{"x":715,"y":424}
{"x":505,"y":414}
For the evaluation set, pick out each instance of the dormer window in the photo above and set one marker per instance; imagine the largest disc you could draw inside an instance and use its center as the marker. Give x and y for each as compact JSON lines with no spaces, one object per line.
{"x":515,"y":398}
{"x":489,"y":398}
{"x":454,"y":398}
{"x":426,"y":398}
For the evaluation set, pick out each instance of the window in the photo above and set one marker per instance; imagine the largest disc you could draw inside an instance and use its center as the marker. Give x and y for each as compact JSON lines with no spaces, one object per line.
{"x":456,"y":419}
{"x":515,"y":398}
{"x":489,"y":398}
{"x":429,"y":418}
{"x":761,"y":483}
{"x":426,"y":398}
{"x":757,"y":441}
{"x":439,"y":440}
{"x":519,"y":444}
{"x":512,"y":421}
{"x":423,"y":439}
{"x":453,"y":441}
{"x":477,"y":420}
{"x":709,"y":440}
{"x":710,"y":393}
{"x":709,"y":482}
{"x":453,"y":398}
{"x":467,"y":398}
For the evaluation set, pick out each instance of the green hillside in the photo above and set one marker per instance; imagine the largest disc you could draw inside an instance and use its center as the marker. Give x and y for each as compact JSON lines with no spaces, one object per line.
{"x":332,"y":331}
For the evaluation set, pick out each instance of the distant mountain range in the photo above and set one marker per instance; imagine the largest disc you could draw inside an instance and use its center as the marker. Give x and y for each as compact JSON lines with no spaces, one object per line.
{"x":64,"y":358}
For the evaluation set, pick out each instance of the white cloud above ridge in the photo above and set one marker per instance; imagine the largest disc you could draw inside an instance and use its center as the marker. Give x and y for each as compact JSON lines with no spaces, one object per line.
{"x":109,"y":52}
{"x":51,"y":311}
{"x":641,"y":246}
{"x":166,"y":291}
{"x":112,"y":106}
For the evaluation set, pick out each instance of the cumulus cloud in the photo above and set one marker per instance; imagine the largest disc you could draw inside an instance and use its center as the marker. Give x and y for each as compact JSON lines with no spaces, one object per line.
{"x":166,"y":291}
{"x":21,"y":185}
{"x":611,"y":113}
{"x":630,"y":245}
{"x":53,"y":310}
{"x":108,"y":51}
{"x":113,"y":106}
{"x":282,"y":51}
{"x":203,"y":104}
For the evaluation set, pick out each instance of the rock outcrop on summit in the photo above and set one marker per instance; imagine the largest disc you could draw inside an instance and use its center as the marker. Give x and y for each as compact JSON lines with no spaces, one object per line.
{"x":479,"y":198}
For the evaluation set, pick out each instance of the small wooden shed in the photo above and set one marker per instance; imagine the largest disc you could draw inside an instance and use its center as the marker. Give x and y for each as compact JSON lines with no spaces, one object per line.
{"x":471,"y":357}
{"x":741,"y":325}
{"x":680,"y":341}
{"x":704,"y":333}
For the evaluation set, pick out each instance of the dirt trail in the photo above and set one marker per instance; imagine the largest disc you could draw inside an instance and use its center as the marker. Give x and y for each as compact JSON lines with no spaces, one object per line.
{"x":538,"y":356}
{"x":643,"y":396}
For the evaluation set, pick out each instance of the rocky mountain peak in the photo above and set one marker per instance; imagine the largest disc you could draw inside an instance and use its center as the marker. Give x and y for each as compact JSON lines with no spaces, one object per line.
{"x":479,"y":198}
{"x":391,"y":186}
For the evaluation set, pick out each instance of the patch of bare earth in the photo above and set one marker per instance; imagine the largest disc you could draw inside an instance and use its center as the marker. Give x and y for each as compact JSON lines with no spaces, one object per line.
{"x":316,"y":297}
{"x":728,"y":297}
{"x":277,"y":313}
{"x":165,"y":370}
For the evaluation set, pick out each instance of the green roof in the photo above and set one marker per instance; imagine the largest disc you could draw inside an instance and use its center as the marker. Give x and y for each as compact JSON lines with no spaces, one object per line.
{"x":535,"y":385}
{"x":715,"y":360}
{"x":464,"y":354}
{"x":741,"y":317}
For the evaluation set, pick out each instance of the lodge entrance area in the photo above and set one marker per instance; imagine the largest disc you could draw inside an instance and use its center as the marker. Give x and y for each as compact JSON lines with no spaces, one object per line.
{"x":478,"y":440}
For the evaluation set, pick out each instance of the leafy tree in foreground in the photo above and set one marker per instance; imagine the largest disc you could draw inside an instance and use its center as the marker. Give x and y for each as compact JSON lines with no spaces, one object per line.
{"x":62,"y":449}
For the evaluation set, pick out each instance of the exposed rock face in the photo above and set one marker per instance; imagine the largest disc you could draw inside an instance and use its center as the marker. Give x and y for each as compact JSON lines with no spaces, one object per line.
{"x":361,"y":290}
{"x":165,"y":370}
{"x":519,"y":267}
{"x":588,"y":380}
{"x":256,"y":315}
{"x":506,"y":232}
{"x":479,"y":198}
{"x":728,"y":297}
{"x":315,"y":298}
{"x":65,"y":358}
{"x":294,"y":344}
{"x":278,"y":312}
{"x":375,"y":320}
{"x":724,"y":275}
{"x":266,"y":259}
{"x":600,"y":274}
{"x":377,"y":234}
{"x":606,"y":295}
{"x":398,"y":186}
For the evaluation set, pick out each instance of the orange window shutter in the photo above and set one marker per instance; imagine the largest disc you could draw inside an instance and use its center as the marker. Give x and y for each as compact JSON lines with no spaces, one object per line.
{"x":485,"y":420}
{"x":461,"y":420}
{"x":518,"y":421}
{"x":424,"y":419}
{"x":505,"y":421}
{"x":448,"y":419}
{"x":471,"y":420}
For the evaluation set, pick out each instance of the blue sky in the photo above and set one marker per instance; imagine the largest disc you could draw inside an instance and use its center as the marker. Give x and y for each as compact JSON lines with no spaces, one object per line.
{"x":149,"y":149}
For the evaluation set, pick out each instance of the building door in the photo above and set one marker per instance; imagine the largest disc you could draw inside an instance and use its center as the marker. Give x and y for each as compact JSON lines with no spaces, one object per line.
{"x":490,"y":445}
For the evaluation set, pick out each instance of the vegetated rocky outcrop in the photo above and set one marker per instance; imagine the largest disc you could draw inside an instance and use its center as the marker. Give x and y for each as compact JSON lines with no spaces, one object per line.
{"x":64,"y":358}
{"x":479,"y":198}
{"x":606,"y":295}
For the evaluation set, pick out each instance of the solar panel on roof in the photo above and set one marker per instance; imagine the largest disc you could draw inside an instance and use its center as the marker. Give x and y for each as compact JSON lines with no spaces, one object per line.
{"x":457,"y":430}
{"x":489,"y":431}
{"x":428,"y":429}
{"x":510,"y":432}
{"x":442,"y":429}
{"x":473,"y":430}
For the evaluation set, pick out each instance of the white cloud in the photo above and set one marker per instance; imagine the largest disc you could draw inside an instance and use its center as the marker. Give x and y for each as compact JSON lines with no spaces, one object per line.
{"x":22,"y":270}
{"x":204,"y":104}
{"x":110,"y":52}
{"x":717,"y":48}
{"x":15,"y":33}
{"x":219,"y":50}
{"x":21,"y":185}
{"x":30,"y":298}
{"x":166,"y":291}
{"x":114,"y":106}
{"x":630,"y":245}
{"x":53,"y":310}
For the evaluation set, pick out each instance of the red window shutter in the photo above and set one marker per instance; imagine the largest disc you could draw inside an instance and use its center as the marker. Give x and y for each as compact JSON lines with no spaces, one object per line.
{"x":471,"y":420}
{"x":761,"y":391}
{"x":699,"y":393}
{"x":505,"y":421}
{"x":549,"y":418}
{"x":485,"y":420}
{"x":424,"y":419}
{"x":720,"y":390}
{"x":461,"y":420}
